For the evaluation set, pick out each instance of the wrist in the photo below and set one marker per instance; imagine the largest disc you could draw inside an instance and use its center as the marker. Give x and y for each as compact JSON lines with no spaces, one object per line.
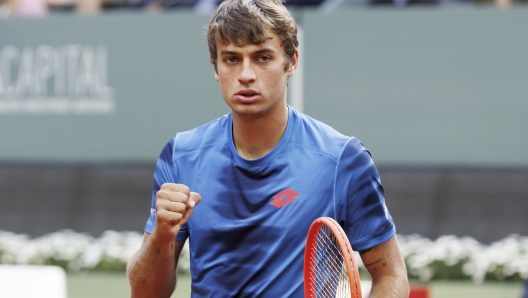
{"x":162,"y":241}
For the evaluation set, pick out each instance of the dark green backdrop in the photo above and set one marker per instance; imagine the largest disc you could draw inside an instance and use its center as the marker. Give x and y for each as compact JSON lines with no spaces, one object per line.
{"x":419,"y":86}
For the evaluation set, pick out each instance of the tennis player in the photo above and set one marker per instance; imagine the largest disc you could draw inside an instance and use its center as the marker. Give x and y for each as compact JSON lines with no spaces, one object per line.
{"x":243,"y":189}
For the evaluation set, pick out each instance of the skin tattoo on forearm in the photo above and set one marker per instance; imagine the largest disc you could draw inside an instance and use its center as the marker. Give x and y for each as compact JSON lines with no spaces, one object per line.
{"x":375,"y":262}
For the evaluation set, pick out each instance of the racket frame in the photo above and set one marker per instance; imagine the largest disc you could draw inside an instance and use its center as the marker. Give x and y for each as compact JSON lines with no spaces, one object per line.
{"x":346,"y":251}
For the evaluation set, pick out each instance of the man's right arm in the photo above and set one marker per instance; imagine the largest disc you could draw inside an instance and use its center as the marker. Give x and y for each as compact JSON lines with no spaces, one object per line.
{"x":152,"y":270}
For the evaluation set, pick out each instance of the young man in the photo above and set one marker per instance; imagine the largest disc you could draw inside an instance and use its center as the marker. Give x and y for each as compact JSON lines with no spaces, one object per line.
{"x":261,"y":175}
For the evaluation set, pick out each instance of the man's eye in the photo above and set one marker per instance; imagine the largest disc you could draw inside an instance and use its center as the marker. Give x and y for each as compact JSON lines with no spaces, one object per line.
{"x":264,"y":58}
{"x":230,"y":59}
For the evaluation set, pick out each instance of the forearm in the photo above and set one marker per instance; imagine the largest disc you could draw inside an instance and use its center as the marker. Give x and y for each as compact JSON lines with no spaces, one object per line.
{"x":387,"y":269}
{"x":390,"y":287}
{"x":151,"y":271}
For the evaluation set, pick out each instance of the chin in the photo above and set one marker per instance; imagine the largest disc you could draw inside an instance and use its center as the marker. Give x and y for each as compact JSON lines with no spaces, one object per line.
{"x":248,"y":110}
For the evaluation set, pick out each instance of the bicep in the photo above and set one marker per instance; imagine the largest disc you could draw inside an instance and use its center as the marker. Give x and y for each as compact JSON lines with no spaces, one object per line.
{"x":384,"y":260}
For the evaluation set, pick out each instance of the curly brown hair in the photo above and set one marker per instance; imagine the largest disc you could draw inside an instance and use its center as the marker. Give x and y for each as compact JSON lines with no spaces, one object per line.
{"x":242,"y":22}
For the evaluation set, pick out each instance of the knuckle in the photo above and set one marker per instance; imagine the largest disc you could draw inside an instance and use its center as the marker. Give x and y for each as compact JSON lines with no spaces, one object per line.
{"x":178,"y":207}
{"x":184,"y":189}
{"x":180,"y":197}
{"x":161,"y":214}
{"x":178,"y":216}
{"x":159,"y":205}
{"x":161,"y":194}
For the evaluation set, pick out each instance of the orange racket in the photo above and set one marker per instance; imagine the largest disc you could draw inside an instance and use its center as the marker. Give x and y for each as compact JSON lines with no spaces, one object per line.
{"x":330,"y":270}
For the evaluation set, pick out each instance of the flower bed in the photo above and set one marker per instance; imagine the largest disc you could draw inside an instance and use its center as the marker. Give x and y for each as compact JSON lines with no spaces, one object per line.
{"x":448,"y":257}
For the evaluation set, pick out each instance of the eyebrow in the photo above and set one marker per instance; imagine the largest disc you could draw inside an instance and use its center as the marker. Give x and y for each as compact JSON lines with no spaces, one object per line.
{"x":226,"y":52}
{"x":264,"y":50}
{"x":261,"y":51}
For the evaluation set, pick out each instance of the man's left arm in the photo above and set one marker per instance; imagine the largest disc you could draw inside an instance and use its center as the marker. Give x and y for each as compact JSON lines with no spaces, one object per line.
{"x":385,"y":264}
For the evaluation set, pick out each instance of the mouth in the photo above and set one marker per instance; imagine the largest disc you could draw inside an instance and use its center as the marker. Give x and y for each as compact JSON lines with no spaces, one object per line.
{"x":247,"y":92}
{"x":247,"y":95}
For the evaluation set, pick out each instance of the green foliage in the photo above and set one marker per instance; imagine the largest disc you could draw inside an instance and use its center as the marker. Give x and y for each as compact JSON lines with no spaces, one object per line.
{"x":498,"y":274}
{"x":110,"y":266}
{"x":56,"y":262}
{"x":442,"y":271}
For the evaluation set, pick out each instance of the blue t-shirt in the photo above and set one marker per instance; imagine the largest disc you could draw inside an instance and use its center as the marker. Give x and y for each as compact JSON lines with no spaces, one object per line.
{"x":247,"y":235}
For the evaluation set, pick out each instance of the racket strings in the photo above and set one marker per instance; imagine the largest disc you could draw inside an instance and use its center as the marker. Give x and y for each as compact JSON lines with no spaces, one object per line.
{"x":330,"y":275}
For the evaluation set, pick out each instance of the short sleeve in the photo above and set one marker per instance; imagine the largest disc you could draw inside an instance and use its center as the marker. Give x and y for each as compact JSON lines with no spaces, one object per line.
{"x":361,"y":204}
{"x":165,"y":171}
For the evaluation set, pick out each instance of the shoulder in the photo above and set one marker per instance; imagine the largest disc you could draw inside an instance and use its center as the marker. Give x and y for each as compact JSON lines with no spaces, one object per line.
{"x":319,"y":136}
{"x":205,"y":135}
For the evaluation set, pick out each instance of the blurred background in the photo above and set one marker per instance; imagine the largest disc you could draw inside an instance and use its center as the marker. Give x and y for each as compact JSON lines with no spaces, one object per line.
{"x":91,"y":90}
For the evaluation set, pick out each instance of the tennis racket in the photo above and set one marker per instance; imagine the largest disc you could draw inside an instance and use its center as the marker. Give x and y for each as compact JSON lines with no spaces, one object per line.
{"x":330,"y":270}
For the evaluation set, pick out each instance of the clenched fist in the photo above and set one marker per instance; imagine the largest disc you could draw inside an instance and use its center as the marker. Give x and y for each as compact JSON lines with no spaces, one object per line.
{"x":174,"y":206}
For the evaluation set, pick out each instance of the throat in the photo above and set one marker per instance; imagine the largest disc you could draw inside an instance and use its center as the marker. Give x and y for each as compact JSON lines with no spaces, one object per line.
{"x":254,"y":144}
{"x":252,"y":152}
{"x":255,"y":137}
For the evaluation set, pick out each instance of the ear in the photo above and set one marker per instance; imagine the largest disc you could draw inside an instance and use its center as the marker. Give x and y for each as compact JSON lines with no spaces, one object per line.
{"x":294,"y":62}
{"x":216,"y":76}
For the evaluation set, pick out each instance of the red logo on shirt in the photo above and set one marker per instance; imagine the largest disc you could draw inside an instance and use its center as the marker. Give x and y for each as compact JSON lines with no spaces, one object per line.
{"x":284,"y":197}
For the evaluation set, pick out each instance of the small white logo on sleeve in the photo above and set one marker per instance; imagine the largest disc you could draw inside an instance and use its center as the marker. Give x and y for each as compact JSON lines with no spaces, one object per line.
{"x":152,"y":210}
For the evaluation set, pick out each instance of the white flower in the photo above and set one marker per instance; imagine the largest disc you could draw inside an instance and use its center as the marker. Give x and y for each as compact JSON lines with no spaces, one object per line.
{"x":77,"y":251}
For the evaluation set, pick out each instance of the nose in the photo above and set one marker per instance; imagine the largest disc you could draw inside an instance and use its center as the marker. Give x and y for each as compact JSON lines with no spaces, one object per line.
{"x":247,"y":73}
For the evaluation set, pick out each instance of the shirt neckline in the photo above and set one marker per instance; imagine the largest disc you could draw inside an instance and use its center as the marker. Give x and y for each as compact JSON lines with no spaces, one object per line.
{"x":247,"y":163}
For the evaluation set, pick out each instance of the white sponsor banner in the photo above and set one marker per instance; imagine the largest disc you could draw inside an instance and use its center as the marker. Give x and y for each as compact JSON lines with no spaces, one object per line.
{"x":68,"y":79}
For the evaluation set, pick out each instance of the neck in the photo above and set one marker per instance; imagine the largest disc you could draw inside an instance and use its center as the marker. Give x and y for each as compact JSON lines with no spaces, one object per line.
{"x":254,"y":137}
